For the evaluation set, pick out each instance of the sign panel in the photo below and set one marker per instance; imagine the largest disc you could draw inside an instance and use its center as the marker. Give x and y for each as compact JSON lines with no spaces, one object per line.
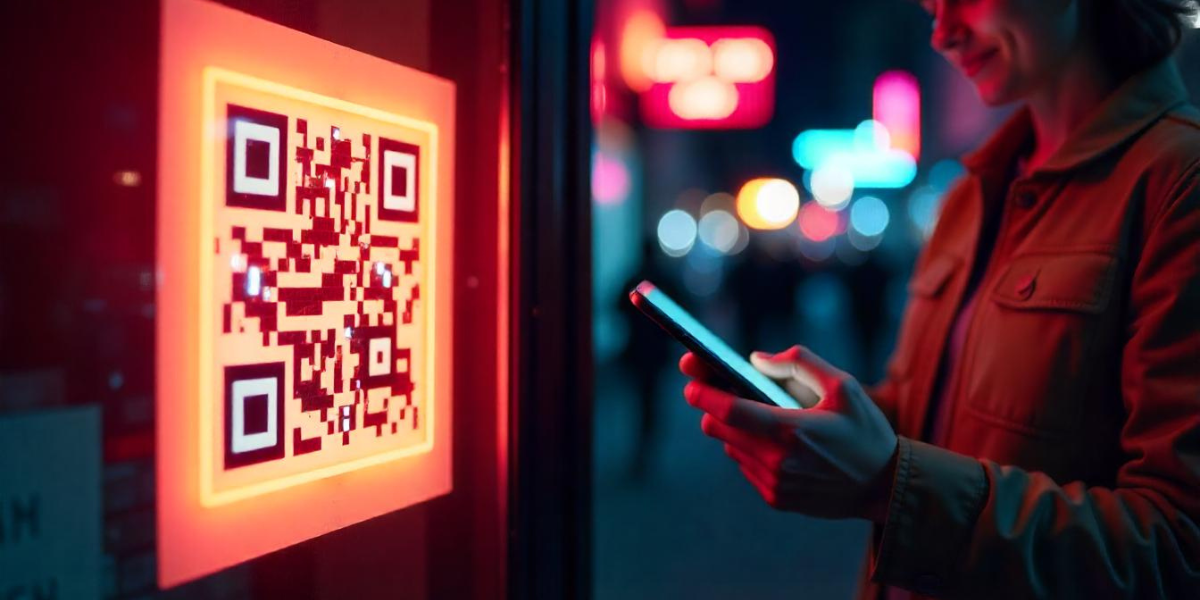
{"x":50,"y":504}
{"x":718,"y":77}
{"x":304,"y":246}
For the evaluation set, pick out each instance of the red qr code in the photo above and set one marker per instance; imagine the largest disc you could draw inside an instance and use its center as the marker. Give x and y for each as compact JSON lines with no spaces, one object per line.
{"x":318,"y":272}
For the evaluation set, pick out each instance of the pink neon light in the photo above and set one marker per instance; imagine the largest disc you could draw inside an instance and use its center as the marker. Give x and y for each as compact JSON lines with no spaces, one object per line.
{"x":599,"y":104}
{"x":898,"y":108}
{"x":818,"y":223}
{"x":610,"y":179}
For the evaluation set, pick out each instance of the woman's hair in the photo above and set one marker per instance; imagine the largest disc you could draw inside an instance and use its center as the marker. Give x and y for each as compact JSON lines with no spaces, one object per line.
{"x":1135,"y":34}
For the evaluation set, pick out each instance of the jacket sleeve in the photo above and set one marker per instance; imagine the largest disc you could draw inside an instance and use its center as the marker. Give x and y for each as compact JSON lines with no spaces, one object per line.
{"x":962,"y":527}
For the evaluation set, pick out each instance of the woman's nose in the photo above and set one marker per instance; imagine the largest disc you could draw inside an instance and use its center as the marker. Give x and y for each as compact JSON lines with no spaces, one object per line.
{"x":948,"y":29}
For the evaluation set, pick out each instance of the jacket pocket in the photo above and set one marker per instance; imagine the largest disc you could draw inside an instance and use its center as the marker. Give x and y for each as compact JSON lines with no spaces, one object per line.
{"x":924,"y":292}
{"x":1040,"y":340}
{"x":1068,"y":282}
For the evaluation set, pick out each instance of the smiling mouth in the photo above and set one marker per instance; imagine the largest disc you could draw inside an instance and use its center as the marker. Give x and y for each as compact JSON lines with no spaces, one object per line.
{"x":973,"y":65}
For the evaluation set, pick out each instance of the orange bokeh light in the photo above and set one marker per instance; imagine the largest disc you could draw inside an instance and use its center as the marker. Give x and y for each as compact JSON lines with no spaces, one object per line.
{"x":768,"y":203}
{"x":641,"y":32}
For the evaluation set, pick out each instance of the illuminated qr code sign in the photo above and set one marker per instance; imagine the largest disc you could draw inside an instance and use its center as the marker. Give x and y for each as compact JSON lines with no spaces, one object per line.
{"x":304,"y":306}
{"x":318,"y":268}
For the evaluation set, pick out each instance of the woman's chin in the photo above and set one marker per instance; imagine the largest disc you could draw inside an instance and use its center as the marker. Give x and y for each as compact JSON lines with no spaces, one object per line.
{"x":992,"y":94}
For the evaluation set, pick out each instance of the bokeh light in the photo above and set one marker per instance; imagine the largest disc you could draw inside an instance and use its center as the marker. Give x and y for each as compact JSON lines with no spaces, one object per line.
{"x":897,"y":105}
{"x":709,"y":77}
{"x":813,"y":146}
{"x":719,"y":230}
{"x":743,"y":240}
{"x":832,"y":185}
{"x":888,"y":169}
{"x":872,"y":136}
{"x":768,"y":203}
{"x":777,"y":202}
{"x":923,"y":207}
{"x":718,"y":201}
{"x":743,"y":60}
{"x":676,"y":232}
{"x":747,"y":204}
{"x":599,"y":87}
{"x":865,"y":243}
{"x":678,"y":60}
{"x":869,"y":216}
{"x":642,"y":31}
{"x":817,"y":222}
{"x":865,"y":152}
{"x":704,"y":98}
{"x":610,"y":179}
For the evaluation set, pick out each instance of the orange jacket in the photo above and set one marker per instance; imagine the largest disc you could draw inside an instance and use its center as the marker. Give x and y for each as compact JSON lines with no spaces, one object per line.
{"x":1072,"y":467}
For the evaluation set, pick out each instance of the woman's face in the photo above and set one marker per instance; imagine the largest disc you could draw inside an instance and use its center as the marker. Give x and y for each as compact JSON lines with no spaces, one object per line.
{"x":1008,"y":48}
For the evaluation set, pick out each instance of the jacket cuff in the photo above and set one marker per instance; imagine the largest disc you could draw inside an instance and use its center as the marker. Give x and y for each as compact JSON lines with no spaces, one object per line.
{"x":936,"y":498}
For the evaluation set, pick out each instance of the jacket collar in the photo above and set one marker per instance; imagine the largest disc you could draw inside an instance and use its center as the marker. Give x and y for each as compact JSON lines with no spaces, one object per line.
{"x":1135,"y":105}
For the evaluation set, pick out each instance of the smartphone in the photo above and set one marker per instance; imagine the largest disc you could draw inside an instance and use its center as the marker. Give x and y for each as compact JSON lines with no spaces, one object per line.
{"x":738,"y":373}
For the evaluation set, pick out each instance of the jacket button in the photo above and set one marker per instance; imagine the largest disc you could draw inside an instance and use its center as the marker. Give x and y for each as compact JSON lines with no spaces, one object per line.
{"x":1024,"y":287}
{"x":1026,"y":199}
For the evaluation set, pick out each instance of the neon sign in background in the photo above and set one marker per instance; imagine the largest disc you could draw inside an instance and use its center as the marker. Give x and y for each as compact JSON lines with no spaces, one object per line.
{"x":710,"y":78}
{"x":881,"y":152}
{"x":305,"y":240}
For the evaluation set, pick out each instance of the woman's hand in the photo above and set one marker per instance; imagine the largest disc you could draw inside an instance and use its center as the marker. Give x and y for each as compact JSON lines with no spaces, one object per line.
{"x":834,"y":460}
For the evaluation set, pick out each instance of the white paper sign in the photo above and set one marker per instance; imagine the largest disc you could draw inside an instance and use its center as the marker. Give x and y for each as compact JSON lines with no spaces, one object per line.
{"x":50,"y":511}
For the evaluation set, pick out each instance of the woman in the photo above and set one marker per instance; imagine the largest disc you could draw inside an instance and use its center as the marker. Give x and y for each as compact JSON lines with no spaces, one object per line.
{"x":1038,"y":433}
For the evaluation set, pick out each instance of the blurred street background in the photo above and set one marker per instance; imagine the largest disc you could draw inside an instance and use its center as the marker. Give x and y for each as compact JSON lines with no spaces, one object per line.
{"x":776,"y":167}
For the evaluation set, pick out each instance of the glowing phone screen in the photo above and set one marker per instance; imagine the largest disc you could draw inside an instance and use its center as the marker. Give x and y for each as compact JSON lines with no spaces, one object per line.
{"x":683,"y":326}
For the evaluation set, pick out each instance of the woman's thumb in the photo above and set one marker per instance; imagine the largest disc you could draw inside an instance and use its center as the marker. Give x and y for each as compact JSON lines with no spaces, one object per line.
{"x":766,"y":364}
{"x":796,"y":379}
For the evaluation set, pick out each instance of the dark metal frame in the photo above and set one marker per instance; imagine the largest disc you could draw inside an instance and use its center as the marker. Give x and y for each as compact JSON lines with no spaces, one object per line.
{"x":551,"y":413}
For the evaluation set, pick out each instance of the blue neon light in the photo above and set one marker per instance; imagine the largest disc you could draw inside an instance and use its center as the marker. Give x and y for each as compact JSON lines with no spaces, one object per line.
{"x":863,"y":151}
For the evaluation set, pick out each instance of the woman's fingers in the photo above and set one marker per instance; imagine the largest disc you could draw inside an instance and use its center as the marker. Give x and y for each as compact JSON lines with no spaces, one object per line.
{"x":715,"y":428}
{"x":749,"y":459}
{"x":753,"y":417}
{"x":759,"y":476}
{"x":692,"y":366}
